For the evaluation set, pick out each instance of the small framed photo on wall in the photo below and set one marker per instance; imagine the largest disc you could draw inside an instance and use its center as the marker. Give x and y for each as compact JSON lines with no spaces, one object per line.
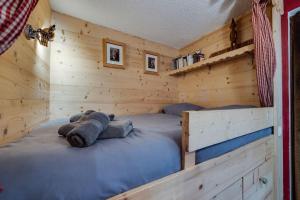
{"x":113,"y":54}
{"x":151,"y":62}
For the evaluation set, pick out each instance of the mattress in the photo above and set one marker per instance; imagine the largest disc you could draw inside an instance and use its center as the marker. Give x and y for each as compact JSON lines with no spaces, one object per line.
{"x":43,"y":165}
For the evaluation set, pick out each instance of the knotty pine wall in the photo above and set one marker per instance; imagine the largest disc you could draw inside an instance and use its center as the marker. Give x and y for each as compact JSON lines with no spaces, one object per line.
{"x":25,"y":81}
{"x":231,"y":82}
{"x":80,"y":82}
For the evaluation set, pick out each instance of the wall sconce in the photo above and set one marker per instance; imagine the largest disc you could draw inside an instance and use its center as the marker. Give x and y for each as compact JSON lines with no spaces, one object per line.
{"x":42,"y":35}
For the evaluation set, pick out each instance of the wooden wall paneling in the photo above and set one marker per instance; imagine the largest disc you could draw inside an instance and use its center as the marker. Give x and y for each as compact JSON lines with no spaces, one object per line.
{"x":14,"y":125}
{"x":79,"y":81}
{"x":231,"y":82}
{"x":219,"y":39}
{"x":82,"y":29}
{"x":25,"y":81}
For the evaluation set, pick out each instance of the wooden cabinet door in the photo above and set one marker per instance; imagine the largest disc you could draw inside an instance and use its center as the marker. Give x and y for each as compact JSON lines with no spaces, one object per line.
{"x":258,"y":184}
{"x":233,"y":192}
{"x":295,"y":102}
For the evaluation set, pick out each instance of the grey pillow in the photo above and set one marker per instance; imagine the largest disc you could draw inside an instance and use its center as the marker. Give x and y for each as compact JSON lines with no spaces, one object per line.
{"x":178,"y":108}
{"x":229,"y":107}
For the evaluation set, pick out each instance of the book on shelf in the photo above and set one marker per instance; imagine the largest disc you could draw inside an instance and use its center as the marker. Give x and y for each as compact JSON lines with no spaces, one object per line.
{"x":190,"y":60}
{"x":185,"y":63}
{"x":187,"y":60}
{"x":180,"y":62}
{"x":174,"y":66}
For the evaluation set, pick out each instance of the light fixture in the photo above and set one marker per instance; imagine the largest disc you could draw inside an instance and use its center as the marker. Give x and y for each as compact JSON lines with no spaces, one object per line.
{"x":44,"y":35}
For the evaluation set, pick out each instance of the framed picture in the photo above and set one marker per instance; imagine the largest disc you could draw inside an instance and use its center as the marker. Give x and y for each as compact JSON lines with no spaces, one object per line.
{"x":113,"y":54}
{"x":151,"y":62}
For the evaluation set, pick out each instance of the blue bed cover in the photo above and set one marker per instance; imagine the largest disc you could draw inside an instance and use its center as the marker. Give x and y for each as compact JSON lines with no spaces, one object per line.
{"x":43,"y":166}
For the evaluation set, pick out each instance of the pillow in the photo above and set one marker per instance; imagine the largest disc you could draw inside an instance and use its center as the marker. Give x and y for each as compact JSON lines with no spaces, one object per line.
{"x":178,"y":108}
{"x":229,"y":107}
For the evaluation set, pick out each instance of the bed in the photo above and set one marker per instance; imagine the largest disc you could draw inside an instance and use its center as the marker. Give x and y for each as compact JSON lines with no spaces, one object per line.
{"x":43,"y":166}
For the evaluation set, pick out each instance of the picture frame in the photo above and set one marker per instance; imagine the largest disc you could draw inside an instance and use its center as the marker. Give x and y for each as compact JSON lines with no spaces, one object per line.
{"x":151,"y":62}
{"x":114,"y":54}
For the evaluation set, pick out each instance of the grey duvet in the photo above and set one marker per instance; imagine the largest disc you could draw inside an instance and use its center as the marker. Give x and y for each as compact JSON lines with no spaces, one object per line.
{"x":44,"y":166}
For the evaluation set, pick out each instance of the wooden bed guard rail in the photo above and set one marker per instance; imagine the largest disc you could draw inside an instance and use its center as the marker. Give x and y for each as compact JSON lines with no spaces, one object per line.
{"x":205,"y":128}
{"x":214,"y":178}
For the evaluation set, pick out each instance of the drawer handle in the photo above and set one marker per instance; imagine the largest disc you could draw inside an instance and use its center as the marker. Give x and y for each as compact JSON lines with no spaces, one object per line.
{"x":263,"y":180}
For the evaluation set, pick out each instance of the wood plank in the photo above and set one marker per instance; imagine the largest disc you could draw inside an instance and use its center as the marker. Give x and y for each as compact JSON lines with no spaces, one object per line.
{"x":254,"y":187}
{"x":219,"y":39}
{"x":250,"y":182}
{"x":222,"y":84}
{"x":79,"y":80}
{"x":231,"y":95}
{"x":233,"y":192}
{"x":210,"y":127}
{"x":214,"y":60}
{"x":59,"y":109}
{"x":25,"y":81}
{"x":205,"y":180}
{"x":18,"y":117}
{"x":188,"y":159}
{"x":263,"y":190}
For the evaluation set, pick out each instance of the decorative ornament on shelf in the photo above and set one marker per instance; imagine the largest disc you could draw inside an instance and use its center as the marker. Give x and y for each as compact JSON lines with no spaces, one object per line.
{"x":233,"y":34}
{"x":44,"y":35}
{"x":233,"y":41}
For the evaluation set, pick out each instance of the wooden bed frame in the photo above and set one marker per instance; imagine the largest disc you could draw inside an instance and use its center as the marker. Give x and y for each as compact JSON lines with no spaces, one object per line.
{"x":245,"y":173}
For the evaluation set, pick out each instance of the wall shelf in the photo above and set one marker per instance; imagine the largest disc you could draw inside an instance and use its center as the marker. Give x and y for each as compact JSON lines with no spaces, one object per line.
{"x":214,"y":60}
